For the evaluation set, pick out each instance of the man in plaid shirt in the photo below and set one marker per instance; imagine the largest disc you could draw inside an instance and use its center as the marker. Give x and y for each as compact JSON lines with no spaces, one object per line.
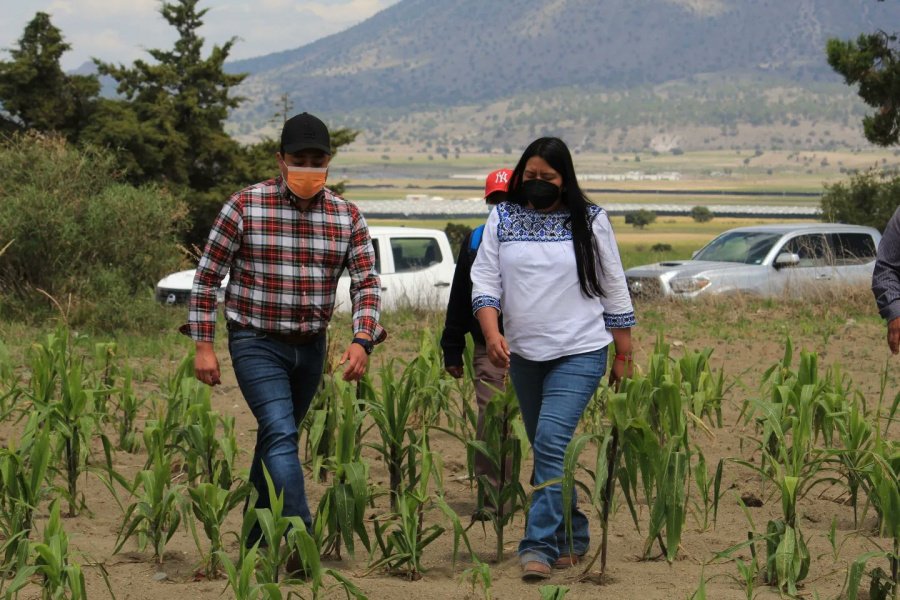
{"x":285,"y":242}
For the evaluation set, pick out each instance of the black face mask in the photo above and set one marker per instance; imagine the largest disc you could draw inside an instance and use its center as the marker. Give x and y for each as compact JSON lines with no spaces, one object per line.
{"x":539,"y":193}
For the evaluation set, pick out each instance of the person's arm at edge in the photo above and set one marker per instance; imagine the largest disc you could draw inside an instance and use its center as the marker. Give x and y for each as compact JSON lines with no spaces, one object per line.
{"x":618,"y":310}
{"x":886,"y":280}
{"x":458,"y":316}
{"x":487,"y":289}
{"x":365,"y":295}
{"x":223,"y":242}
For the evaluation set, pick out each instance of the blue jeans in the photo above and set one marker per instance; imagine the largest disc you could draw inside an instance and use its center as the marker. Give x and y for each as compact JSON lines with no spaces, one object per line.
{"x":278,"y":381}
{"x":552,"y":397}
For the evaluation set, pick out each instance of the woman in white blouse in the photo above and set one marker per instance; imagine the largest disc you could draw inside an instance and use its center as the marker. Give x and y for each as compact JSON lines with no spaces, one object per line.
{"x":549,"y":261}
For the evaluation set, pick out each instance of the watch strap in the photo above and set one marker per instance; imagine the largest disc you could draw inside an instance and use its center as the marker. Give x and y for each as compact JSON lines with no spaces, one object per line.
{"x":368,"y":345}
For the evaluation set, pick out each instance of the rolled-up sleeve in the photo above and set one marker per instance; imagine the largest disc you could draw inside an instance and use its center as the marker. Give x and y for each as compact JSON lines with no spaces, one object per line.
{"x":618,"y":311}
{"x":886,"y":276}
{"x":365,"y":285}
{"x":487,"y":284}
{"x":224,"y":240}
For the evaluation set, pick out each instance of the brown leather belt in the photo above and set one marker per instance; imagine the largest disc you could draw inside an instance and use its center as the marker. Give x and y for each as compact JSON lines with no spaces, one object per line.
{"x":296,"y":338}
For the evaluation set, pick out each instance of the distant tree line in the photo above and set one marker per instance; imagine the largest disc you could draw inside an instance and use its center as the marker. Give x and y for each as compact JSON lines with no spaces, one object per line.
{"x":167,"y":123}
{"x":101,"y":196}
{"x":872,"y":61}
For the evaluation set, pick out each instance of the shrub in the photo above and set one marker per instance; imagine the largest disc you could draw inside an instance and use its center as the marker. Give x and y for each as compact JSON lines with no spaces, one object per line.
{"x":640,"y":218}
{"x":78,"y":234}
{"x":869,"y":198}
{"x":456,"y":233}
{"x":661,"y":248}
{"x":701,"y":214}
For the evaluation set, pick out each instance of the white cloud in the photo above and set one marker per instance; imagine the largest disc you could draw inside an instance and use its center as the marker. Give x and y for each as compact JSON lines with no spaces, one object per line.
{"x":120,"y":30}
{"x":343,"y":12}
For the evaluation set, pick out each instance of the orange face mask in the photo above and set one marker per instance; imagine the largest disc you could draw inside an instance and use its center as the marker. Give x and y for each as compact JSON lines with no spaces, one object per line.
{"x":304,"y":182}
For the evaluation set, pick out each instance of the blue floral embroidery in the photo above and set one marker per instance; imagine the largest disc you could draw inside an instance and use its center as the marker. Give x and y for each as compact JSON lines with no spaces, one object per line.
{"x":619,"y":321}
{"x":484,"y":300}
{"x":522,"y":224}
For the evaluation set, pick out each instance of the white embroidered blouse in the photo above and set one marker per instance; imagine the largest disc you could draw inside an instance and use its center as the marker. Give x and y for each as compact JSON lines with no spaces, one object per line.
{"x":525,"y":268}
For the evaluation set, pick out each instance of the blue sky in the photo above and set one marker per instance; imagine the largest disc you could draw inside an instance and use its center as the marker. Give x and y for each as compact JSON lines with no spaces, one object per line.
{"x":120,"y":30}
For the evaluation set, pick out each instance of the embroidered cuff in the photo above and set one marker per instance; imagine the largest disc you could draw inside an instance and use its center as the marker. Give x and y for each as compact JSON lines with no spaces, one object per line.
{"x":619,"y":321}
{"x":482,"y":301}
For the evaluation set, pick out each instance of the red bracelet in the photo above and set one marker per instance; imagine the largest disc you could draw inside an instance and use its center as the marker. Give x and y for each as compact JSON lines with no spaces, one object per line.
{"x":626,"y":358}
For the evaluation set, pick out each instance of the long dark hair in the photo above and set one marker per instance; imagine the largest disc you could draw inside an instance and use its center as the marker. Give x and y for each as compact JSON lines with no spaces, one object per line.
{"x":556,"y":153}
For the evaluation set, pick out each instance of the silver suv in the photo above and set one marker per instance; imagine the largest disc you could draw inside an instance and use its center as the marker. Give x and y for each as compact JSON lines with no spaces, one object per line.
{"x":768,"y":260}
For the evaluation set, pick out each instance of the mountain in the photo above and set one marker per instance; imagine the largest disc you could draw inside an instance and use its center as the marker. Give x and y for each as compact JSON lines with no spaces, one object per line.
{"x":107,"y":84}
{"x":421,"y":56}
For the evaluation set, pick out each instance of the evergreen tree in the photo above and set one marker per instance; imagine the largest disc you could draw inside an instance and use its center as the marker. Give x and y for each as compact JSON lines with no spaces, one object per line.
{"x":873,"y":62}
{"x":171,"y":118}
{"x":181,"y":100}
{"x":35,"y":93}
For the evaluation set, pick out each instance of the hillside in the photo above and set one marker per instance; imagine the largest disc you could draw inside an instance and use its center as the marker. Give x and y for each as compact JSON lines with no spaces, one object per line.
{"x":422,"y":55}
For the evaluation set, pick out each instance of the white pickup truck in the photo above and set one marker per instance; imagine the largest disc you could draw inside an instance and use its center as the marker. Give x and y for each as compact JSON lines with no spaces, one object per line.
{"x":415,"y":265}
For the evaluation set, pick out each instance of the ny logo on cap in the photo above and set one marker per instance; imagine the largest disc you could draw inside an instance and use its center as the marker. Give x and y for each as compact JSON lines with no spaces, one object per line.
{"x":501,"y":177}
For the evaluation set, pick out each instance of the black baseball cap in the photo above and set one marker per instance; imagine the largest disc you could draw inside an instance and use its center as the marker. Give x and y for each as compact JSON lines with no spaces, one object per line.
{"x":305,"y":132}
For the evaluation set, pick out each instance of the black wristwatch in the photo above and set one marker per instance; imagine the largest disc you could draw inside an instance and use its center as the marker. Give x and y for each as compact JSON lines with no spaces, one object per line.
{"x":368,"y":345}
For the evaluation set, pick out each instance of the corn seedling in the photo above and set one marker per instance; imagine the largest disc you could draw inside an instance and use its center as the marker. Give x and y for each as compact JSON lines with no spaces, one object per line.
{"x":276,"y":543}
{"x":708,"y":491}
{"x":23,"y":486}
{"x":105,"y":357}
{"x":211,"y":505}
{"x":479,"y":575}
{"x":75,"y":420}
{"x":321,"y":425}
{"x":881,"y":585}
{"x":402,"y":537}
{"x":341,"y":515}
{"x":60,"y":578}
{"x":748,"y":573}
{"x":466,"y":418}
{"x":703,"y":388}
{"x":60,"y":393}
{"x":651,"y":424}
{"x":44,"y":359}
{"x":181,"y":390}
{"x":129,"y":405}
{"x":599,"y":494}
{"x":427,"y":374}
{"x":394,"y":416}
{"x":156,"y":514}
{"x":10,"y":388}
{"x":791,"y":462}
{"x":503,"y":450}
{"x":241,"y":576}
{"x":700,"y":592}
{"x":885,"y":497}
{"x":207,"y":444}
{"x":553,"y":592}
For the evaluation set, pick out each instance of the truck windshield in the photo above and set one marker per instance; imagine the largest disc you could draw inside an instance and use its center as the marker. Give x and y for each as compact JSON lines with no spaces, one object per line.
{"x":748,"y":247}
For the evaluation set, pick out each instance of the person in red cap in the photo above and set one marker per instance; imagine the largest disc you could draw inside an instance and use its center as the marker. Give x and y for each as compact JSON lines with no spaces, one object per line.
{"x":460,"y":321}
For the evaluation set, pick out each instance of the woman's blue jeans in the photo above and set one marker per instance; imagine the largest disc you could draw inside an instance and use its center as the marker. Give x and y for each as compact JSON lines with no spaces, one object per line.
{"x":552,"y":397}
{"x":278,"y":381}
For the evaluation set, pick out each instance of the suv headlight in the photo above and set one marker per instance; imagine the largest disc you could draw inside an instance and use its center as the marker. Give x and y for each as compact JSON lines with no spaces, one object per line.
{"x":688,"y":285}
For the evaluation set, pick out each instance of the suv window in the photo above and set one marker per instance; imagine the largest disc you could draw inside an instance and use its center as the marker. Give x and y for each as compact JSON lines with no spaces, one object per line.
{"x":377,"y":245}
{"x":413,"y":254}
{"x":810,"y":248}
{"x":852,"y":248}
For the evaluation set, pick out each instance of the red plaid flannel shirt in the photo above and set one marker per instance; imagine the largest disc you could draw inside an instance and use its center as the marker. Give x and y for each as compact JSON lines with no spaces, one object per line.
{"x":284,"y":264}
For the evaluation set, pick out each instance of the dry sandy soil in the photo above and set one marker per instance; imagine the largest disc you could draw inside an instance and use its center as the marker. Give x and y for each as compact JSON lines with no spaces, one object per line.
{"x":747,"y":337}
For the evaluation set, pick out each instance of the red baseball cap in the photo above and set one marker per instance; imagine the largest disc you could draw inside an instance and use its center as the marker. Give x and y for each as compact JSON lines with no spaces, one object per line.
{"x":498,"y":181}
